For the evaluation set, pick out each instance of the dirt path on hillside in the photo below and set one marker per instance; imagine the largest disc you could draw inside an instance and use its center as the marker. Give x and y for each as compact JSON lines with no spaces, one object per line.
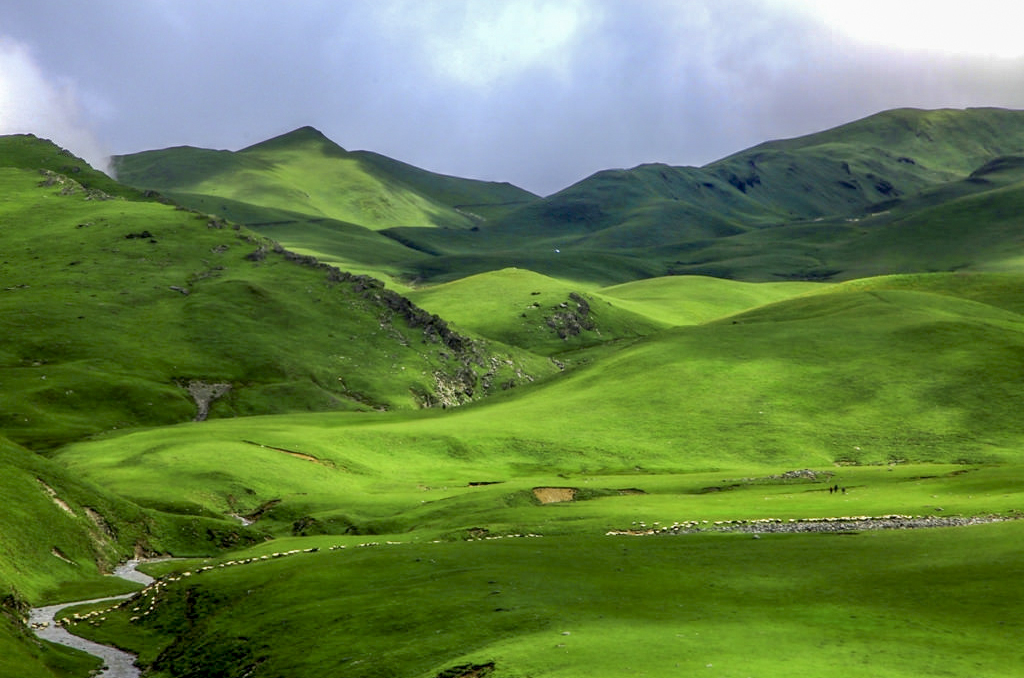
{"x":117,"y":663}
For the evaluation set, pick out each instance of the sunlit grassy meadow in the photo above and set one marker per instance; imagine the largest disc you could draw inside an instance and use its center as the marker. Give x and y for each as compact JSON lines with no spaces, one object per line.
{"x":477,"y":479}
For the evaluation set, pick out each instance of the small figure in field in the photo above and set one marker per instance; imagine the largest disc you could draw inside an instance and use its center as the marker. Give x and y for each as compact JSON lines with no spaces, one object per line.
{"x":844,"y":490}
{"x":831,"y":490}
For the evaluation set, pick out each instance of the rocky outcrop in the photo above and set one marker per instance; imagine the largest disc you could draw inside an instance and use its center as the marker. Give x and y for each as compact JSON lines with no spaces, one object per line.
{"x":204,"y":394}
{"x":572,"y":317}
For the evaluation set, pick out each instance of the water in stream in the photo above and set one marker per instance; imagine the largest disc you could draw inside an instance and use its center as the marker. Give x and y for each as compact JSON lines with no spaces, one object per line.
{"x":117,"y":663}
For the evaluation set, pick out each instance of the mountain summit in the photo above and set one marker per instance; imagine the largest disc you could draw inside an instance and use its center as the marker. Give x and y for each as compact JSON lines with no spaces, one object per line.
{"x":303,"y":137}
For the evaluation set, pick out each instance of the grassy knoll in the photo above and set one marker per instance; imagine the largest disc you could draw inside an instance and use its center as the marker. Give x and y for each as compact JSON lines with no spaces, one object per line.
{"x":533,"y":311}
{"x":923,"y":603}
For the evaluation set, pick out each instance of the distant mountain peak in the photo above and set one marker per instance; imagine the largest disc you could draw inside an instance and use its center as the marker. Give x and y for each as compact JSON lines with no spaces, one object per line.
{"x":301,"y":136}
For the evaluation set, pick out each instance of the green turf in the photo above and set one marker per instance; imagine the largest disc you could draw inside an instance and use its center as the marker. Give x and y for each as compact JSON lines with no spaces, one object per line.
{"x":875,"y":604}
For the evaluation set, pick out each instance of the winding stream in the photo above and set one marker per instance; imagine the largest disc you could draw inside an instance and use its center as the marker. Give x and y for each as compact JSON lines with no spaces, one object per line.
{"x":117,"y":663}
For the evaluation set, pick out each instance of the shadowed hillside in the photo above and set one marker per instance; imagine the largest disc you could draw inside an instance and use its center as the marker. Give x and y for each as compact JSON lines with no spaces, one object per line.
{"x":778,"y":211}
{"x":121,"y":312}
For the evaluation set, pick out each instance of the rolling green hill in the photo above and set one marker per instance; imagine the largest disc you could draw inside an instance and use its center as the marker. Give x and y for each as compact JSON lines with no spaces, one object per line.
{"x":303,"y":171}
{"x":532,"y":311}
{"x":904,"y":389}
{"x":920,"y":369}
{"x":773,"y":212}
{"x":119,"y":313}
{"x":777,"y":211}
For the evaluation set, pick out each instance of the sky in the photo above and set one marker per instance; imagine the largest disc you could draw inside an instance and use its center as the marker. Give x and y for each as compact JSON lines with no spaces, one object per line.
{"x":539,"y":93}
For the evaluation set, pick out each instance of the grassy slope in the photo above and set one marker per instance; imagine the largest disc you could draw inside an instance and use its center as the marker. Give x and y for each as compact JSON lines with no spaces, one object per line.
{"x":754,"y":215}
{"x":21,"y":656}
{"x":532,"y":311}
{"x":59,"y":535}
{"x":875,"y":605}
{"x":350,"y":247}
{"x":305,"y":172}
{"x":861,"y":375}
{"x":694,"y":300}
{"x":85,"y":295}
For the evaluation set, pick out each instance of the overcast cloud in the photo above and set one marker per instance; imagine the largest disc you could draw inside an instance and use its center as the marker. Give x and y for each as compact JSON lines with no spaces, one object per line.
{"x":540,"y":93}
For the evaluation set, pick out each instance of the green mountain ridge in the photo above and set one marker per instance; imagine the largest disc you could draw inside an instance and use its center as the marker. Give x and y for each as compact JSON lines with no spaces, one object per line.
{"x":305,"y":171}
{"x":750,"y":216}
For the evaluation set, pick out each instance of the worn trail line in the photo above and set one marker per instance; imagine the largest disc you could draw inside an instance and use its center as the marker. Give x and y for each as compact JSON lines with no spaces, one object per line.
{"x":118,"y":663}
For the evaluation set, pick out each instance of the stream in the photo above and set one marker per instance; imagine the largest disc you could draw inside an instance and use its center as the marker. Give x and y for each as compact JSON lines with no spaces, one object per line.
{"x":117,"y":663}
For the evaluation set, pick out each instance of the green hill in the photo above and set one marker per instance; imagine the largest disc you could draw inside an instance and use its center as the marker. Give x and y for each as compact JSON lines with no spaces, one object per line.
{"x":315,"y":197}
{"x":918,"y":369}
{"x":773,"y":212}
{"x":304,"y":171}
{"x":532,"y":311}
{"x":121,"y":313}
{"x":794,"y":209}
{"x":695,"y":300}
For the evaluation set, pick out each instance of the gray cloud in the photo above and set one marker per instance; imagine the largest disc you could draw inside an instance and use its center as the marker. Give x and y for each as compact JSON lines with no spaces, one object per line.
{"x":30,"y":103}
{"x":536,"y":92}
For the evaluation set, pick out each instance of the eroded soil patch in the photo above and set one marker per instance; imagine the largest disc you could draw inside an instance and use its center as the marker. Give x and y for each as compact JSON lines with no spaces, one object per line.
{"x":554,"y":495}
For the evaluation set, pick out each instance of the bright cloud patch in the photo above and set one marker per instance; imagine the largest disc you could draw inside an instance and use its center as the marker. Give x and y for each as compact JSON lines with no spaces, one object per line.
{"x":32,"y":104}
{"x":984,"y":28}
{"x":480,"y":43}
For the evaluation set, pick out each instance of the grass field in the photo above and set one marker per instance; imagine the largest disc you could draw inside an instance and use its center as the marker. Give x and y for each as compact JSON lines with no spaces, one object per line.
{"x":502,"y":537}
{"x":924,"y":603}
